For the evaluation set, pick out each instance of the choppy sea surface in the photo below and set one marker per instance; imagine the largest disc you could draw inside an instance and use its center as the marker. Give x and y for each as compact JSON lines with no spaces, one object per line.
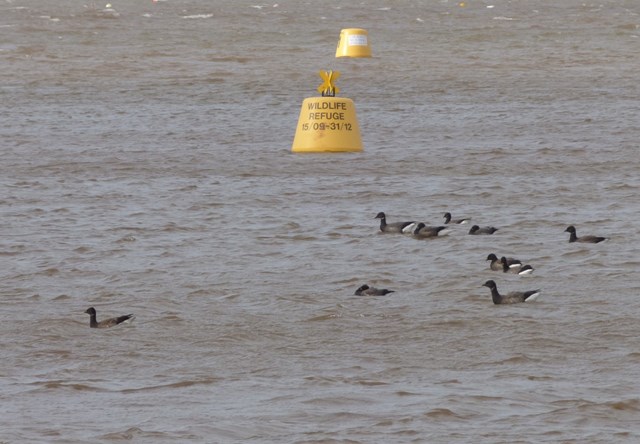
{"x":147,"y":168}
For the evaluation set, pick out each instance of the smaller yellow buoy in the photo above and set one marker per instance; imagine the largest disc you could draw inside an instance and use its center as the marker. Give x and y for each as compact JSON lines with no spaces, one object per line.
{"x":354,"y":42}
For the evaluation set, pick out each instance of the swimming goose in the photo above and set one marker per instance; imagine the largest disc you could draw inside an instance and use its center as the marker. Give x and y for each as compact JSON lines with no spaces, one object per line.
{"x":515,"y":268}
{"x":510,"y":298}
{"x":496,"y":264}
{"x":586,"y":239}
{"x":484,"y":230}
{"x":423,"y":231}
{"x":93,"y":323}
{"x":395,"y":227}
{"x":365,"y":290}
{"x":448,"y":220}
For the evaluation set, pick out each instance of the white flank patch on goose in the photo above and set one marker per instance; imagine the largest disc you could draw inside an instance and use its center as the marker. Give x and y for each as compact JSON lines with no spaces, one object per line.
{"x":409,"y":229}
{"x":533,"y":297}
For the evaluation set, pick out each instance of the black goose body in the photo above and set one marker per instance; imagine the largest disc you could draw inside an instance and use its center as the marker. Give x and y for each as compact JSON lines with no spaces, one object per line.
{"x":516,"y":268}
{"x":93,"y":323}
{"x":482,"y":230}
{"x":365,"y":290}
{"x":573,"y":237}
{"x":513,"y":297}
{"x":449,"y":220}
{"x":423,"y":231}
{"x":496,"y":264}
{"x":395,"y":227}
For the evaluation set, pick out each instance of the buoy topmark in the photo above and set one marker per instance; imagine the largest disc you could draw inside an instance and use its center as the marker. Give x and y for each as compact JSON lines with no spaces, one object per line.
{"x":328,"y":88}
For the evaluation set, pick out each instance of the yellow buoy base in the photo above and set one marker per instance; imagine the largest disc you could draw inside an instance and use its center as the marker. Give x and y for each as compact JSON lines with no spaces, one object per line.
{"x":327,"y":124}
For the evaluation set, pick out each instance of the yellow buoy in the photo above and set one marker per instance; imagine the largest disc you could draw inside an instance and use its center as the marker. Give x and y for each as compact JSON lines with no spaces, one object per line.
{"x":354,"y":42}
{"x":327,"y":124}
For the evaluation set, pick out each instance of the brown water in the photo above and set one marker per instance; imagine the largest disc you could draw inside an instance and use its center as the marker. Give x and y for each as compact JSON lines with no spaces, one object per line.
{"x":146,"y":168}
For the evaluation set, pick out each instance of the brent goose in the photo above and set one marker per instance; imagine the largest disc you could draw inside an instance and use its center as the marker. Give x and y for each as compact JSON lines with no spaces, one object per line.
{"x":587,"y":239}
{"x":484,"y":230}
{"x":496,"y":264}
{"x":510,"y":298}
{"x":515,"y":268}
{"x":423,"y":231}
{"x":395,"y":227}
{"x":365,"y":290}
{"x":462,"y":220}
{"x":93,"y":323}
